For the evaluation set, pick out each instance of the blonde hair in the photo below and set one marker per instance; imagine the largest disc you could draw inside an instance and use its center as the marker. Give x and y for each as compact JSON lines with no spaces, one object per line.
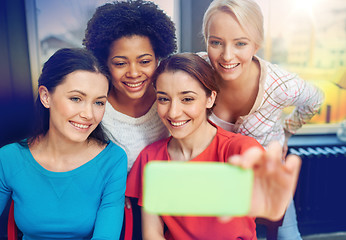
{"x":247,"y":13}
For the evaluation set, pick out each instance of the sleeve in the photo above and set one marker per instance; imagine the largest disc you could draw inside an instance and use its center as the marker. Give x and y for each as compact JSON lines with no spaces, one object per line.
{"x":204,"y":55}
{"x":110,"y":215}
{"x":241,"y":144}
{"x":134,"y":185}
{"x":308,"y":100}
{"x":5,"y":191}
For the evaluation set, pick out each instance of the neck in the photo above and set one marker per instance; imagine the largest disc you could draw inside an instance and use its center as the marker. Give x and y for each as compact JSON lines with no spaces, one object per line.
{"x":242,"y":91}
{"x":59,"y":148}
{"x":190,"y":147}
{"x":56,"y":154}
{"x":132,"y":107}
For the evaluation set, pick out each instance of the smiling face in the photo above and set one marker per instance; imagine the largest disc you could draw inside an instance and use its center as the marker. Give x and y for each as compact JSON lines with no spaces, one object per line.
{"x":230,"y":49}
{"x":76,"y":106}
{"x":131,"y":63}
{"x":182,"y":104}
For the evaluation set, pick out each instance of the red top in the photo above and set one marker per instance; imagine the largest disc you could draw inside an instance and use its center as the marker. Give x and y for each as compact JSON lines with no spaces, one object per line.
{"x":223,"y":145}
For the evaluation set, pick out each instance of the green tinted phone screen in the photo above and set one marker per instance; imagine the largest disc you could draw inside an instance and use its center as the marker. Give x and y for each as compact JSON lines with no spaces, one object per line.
{"x":196,"y":189}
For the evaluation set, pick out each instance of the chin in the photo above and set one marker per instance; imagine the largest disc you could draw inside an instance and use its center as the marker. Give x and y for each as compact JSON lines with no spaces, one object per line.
{"x":228,"y":76}
{"x":178,"y":136}
{"x":136,"y":95}
{"x":79,"y":139}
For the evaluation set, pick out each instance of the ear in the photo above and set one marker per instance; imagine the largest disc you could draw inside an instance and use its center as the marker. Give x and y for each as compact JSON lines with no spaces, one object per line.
{"x":211,"y":99}
{"x":44,"y":96}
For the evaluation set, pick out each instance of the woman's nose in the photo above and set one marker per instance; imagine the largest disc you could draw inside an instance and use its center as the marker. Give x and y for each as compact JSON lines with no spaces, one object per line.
{"x":174,"y":110}
{"x":227,"y":53}
{"x":133,"y":71}
{"x":87,"y":112}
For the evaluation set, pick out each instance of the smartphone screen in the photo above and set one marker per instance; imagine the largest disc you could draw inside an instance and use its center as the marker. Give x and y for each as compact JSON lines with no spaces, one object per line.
{"x":196,"y":189}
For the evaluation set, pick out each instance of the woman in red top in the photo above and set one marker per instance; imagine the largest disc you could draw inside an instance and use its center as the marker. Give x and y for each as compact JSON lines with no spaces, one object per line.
{"x":186,"y":92}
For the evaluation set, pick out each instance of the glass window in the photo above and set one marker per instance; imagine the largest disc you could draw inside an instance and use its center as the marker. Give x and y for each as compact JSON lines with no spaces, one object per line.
{"x":308,"y":37}
{"x":56,"y":24}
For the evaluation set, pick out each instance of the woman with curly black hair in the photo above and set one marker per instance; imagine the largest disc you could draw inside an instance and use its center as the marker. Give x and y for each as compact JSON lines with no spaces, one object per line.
{"x":129,"y":38}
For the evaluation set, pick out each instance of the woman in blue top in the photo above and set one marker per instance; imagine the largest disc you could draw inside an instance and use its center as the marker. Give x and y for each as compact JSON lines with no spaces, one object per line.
{"x":67,"y":180}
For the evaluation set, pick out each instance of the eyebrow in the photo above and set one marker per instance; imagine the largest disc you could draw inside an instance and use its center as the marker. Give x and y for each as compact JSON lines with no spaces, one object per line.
{"x":242,"y":38}
{"x":183,"y":92}
{"x":78,"y":91}
{"x":187,"y":92}
{"x":237,"y":39}
{"x":140,"y":56}
{"x":84,"y":94}
{"x":211,"y":36}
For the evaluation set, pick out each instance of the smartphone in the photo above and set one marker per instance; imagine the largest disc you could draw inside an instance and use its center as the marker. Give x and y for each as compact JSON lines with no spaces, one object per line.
{"x":196,"y":189}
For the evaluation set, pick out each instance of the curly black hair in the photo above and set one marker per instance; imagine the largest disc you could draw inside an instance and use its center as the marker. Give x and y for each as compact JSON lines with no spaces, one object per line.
{"x":115,"y":20}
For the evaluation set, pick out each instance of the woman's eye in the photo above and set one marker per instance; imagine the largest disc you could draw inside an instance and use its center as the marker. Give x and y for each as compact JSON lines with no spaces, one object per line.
{"x":240,"y":44}
{"x":215,"y":43}
{"x":145,"y":62}
{"x":119,"y":64}
{"x":162,"y":99}
{"x":100,"y":103}
{"x":188,"y":99}
{"x":75,"y":99}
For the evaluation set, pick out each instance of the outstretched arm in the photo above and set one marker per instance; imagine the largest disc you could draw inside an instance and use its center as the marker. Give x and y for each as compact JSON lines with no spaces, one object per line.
{"x":274,"y":180}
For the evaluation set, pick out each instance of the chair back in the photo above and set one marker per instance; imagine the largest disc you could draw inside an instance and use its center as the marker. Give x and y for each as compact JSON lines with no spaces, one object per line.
{"x":11,"y":225}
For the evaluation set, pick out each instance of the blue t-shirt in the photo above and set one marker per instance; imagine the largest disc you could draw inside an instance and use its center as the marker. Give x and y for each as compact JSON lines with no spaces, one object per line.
{"x":84,"y":203}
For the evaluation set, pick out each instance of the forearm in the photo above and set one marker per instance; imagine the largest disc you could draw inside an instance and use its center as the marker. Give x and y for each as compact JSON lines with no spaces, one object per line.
{"x":110,"y":213}
{"x":152,"y":227}
{"x":153,"y":236}
{"x":308,"y":101}
{"x":109,"y":222}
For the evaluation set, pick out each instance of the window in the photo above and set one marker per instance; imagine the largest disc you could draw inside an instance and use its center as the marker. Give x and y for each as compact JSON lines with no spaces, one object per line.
{"x":306,"y":37}
{"x":56,"y":24}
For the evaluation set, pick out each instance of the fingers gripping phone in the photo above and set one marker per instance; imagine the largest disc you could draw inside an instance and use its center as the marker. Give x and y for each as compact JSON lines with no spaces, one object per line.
{"x":196,"y":189}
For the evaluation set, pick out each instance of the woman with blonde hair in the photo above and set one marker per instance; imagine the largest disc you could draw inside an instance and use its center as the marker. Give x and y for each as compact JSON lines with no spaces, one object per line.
{"x":233,"y":32}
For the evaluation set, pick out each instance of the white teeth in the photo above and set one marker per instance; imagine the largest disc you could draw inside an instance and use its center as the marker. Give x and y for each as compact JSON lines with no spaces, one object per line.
{"x":229,"y":66}
{"x":79,"y":125}
{"x":177,"y":124}
{"x":134,"y":85}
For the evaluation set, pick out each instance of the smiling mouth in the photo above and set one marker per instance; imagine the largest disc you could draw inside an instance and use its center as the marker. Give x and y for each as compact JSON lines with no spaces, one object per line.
{"x":134,"y":85}
{"x":229,"y":66}
{"x":178,"y":124}
{"x":78,"y":125}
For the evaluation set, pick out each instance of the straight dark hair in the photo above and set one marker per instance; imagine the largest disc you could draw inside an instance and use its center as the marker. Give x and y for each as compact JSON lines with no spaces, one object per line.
{"x":59,"y":65}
